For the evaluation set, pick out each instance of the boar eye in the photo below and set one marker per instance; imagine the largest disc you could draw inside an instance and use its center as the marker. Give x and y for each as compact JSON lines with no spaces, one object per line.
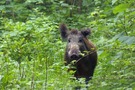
{"x":80,"y":40}
{"x":69,"y":40}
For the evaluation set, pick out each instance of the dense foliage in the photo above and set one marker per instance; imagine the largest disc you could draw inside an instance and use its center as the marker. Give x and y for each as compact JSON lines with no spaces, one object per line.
{"x":31,"y":50}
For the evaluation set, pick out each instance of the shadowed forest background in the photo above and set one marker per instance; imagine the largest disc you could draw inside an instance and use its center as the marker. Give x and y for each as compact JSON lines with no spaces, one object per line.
{"x":32,"y":51}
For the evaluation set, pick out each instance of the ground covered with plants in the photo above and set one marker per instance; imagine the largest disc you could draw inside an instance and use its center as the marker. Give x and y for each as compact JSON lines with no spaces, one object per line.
{"x":31,"y":49}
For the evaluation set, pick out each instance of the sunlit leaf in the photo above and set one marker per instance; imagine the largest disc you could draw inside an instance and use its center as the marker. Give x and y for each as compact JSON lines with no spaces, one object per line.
{"x":114,"y":1}
{"x":120,"y":8}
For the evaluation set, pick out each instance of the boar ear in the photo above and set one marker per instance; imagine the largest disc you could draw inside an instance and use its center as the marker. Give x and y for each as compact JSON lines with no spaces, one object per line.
{"x":63,"y":31}
{"x":86,"y":32}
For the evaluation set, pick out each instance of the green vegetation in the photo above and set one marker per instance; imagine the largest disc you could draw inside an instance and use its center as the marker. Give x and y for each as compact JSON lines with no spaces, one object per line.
{"x":31,"y":49}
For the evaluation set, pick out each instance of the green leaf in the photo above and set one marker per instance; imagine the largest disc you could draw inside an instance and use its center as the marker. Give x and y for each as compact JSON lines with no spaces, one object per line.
{"x":123,"y":38}
{"x":130,"y":40}
{"x":114,"y":1}
{"x":120,"y":8}
{"x":127,"y":39}
{"x":117,"y":36}
{"x":2,"y":7}
{"x":64,"y":5}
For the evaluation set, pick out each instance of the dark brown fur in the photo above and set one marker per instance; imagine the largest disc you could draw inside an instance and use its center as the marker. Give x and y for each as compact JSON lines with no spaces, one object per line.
{"x":77,"y":44}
